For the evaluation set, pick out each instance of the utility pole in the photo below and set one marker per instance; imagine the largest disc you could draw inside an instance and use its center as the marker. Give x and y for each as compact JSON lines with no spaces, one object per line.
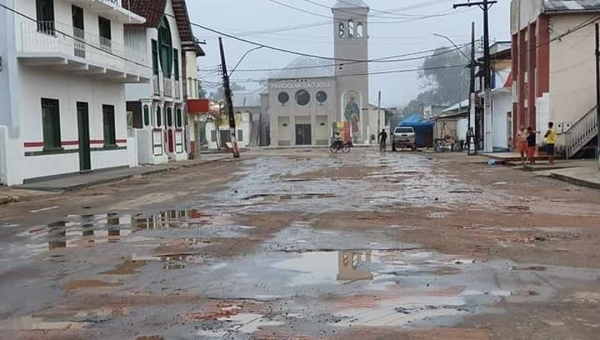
{"x":485,"y":5}
{"x":229,"y":103}
{"x":598,"y":87}
{"x":378,"y":112}
{"x":472,"y":98}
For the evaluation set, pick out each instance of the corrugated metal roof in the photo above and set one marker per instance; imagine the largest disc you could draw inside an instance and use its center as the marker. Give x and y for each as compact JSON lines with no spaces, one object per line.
{"x":247,"y":98}
{"x":571,"y":5}
{"x":350,"y":4}
{"x":305,"y":67}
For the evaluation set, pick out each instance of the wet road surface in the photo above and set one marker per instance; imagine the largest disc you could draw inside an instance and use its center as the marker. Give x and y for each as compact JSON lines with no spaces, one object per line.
{"x":300,"y":244}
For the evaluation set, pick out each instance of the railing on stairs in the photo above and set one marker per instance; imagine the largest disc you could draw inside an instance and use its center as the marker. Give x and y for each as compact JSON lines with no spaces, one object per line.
{"x":581,"y":133}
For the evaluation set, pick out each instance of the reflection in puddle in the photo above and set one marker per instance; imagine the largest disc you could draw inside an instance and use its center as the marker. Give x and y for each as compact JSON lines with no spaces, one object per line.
{"x":90,"y":230}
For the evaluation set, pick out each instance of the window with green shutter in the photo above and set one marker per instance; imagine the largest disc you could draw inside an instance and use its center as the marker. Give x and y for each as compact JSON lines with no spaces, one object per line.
{"x":110,"y":134}
{"x":176,"y":63}
{"x":165,"y":44}
{"x":155,"y":57}
{"x":179,"y":119}
{"x":158,"y":117}
{"x":51,"y":124}
{"x":169,"y":117}
{"x":146,"y":115}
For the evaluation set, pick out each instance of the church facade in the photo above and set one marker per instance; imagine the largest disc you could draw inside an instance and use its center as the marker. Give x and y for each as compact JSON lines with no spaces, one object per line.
{"x":310,"y":99}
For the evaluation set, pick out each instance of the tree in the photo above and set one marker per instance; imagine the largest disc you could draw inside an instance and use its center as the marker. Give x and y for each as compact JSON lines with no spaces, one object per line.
{"x":446,"y":80}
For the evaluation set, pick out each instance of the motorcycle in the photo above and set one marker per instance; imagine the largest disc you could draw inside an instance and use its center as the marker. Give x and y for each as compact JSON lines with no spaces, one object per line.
{"x":337,"y":146}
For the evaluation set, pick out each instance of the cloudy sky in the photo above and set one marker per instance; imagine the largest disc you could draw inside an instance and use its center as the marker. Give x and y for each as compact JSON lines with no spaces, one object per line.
{"x":402,"y":31}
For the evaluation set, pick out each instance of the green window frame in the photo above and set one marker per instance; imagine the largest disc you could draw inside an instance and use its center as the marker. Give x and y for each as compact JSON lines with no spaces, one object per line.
{"x":51,"y":124}
{"x":179,"y":118}
{"x":240,"y":135}
{"x":110,"y":133}
{"x":146,"y":115}
{"x":165,"y":46}
{"x":169,"y":117}
{"x":176,"y":63}
{"x":158,"y":117}
{"x":155,"y":57}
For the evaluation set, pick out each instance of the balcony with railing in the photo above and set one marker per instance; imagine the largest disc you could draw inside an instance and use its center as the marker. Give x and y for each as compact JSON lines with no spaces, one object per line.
{"x":112,"y":8}
{"x":64,"y":47}
{"x":168,"y":87}
{"x":177,"y":89}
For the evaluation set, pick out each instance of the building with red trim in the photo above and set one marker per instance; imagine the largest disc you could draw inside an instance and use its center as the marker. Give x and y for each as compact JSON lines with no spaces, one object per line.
{"x":158,"y":108}
{"x":63,"y":70}
{"x":554,"y":68}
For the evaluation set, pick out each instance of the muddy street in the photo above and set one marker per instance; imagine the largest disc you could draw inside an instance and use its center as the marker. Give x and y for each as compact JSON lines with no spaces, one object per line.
{"x":301,"y":244}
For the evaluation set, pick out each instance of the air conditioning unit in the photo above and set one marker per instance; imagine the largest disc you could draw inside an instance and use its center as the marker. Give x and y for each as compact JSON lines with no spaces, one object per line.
{"x":559,"y":128}
{"x":566,"y":127}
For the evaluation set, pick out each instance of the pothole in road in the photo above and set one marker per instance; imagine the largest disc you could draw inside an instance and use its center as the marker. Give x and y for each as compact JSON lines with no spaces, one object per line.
{"x":287,"y":197}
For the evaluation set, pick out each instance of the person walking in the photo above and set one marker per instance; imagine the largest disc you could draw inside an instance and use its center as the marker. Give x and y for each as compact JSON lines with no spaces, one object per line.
{"x":522,"y":143}
{"x":531,"y":144}
{"x":550,"y":142}
{"x":382,"y":140}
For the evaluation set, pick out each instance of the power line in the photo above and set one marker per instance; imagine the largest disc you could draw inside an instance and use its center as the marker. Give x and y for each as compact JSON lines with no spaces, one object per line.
{"x":371,"y":73}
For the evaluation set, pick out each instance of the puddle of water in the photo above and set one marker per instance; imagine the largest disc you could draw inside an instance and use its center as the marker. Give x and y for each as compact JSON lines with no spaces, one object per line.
{"x":36,"y":323}
{"x":402,"y":312}
{"x":94,"y":230}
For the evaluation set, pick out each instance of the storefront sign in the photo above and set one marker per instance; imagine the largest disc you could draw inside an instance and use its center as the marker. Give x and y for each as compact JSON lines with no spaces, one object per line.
{"x":303,"y":85}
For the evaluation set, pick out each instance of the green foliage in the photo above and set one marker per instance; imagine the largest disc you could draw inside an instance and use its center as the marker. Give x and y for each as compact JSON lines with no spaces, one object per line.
{"x":445,"y":82}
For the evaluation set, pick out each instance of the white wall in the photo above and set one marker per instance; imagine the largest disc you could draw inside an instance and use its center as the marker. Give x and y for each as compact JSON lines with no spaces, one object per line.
{"x":572,"y":69}
{"x":37,"y":83}
{"x":501,"y":105}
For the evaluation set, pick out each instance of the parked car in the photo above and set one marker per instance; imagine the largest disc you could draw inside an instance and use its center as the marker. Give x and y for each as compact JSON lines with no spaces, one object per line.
{"x":404,"y":137}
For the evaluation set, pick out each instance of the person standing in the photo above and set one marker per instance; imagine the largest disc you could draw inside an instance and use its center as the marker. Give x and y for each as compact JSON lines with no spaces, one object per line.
{"x":382,"y":140}
{"x":550,"y":142}
{"x":531,"y":143}
{"x":522,"y":143}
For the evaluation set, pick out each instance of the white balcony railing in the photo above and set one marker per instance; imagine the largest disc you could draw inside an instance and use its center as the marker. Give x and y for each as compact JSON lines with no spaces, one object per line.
{"x":57,"y":39}
{"x":168,"y":87}
{"x":156,"y":84}
{"x":177,"y":89}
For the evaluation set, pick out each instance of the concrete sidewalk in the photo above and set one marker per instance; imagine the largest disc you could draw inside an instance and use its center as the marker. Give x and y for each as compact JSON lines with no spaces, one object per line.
{"x":585,"y":176}
{"x":78,"y":181}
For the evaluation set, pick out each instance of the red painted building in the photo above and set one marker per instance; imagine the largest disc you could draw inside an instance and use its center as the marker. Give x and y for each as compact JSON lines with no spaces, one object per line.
{"x":553,"y":67}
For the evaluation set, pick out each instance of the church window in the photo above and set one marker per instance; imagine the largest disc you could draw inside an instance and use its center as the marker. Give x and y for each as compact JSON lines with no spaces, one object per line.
{"x":302,"y":97}
{"x":321,"y":97}
{"x":360,"y":31}
{"x":350,"y":29}
{"x":283,"y":98}
{"x":342,"y":30}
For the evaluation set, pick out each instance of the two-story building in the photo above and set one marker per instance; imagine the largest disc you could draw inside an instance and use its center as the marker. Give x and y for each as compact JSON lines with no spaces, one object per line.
{"x":163,"y":40}
{"x":62,"y":87}
{"x":554,"y":68}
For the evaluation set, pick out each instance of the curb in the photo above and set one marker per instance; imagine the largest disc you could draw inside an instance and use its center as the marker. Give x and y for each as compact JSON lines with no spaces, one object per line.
{"x":158,"y":170}
{"x":575,"y":181}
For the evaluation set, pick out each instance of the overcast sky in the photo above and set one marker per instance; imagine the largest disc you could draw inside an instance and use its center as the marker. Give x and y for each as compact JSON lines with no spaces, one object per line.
{"x":245,"y":17}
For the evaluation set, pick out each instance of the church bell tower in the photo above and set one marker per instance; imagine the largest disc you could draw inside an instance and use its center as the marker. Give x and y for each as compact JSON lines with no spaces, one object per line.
{"x":351,"y":50}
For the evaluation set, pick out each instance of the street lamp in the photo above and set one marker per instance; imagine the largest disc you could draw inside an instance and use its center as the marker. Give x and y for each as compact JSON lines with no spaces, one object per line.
{"x":453,"y":44}
{"x":242,"y":59}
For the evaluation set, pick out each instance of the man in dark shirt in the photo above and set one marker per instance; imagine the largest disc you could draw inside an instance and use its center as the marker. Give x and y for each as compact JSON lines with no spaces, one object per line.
{"x":382,"y":139}
{"x":531,"y":143}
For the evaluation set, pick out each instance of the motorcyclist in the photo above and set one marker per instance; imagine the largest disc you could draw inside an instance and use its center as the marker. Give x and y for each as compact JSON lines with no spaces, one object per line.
{"x":382,"y":139}
{"x":337,"y":140}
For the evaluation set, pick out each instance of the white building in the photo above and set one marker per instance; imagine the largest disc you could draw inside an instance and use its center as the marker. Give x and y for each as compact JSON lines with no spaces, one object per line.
{"x":62,"y":75}
{"x":309,"y":97}
{"x":163,"y":40}
{"x":221,"y":137}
